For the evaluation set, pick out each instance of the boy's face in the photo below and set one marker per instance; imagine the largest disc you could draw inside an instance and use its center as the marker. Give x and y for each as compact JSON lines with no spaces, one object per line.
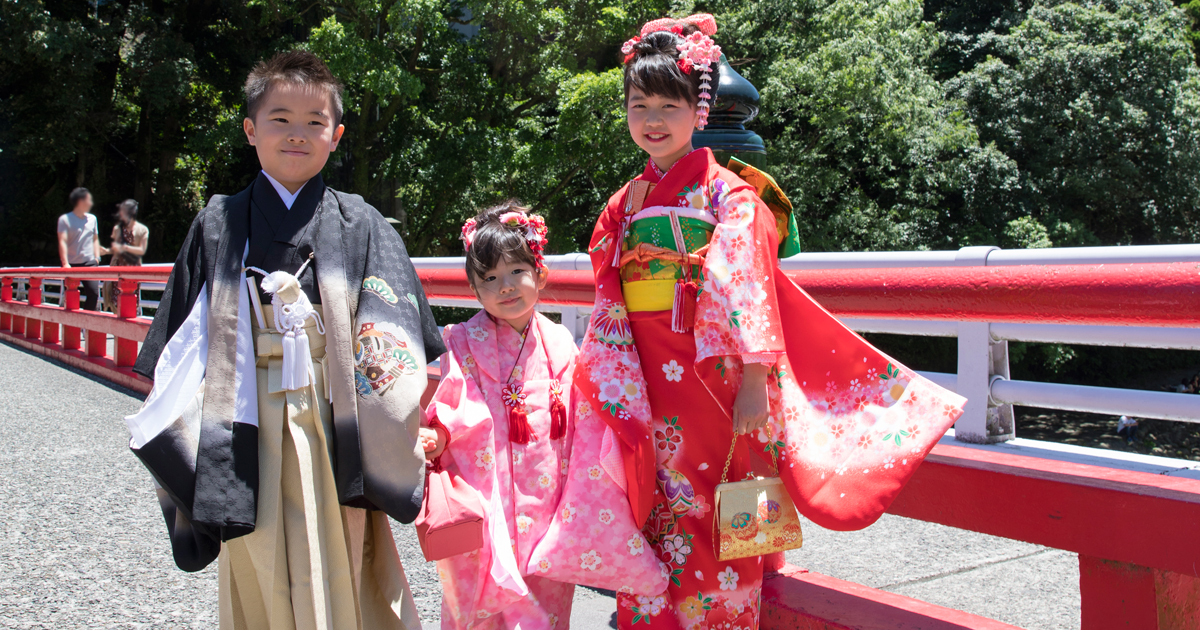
{"x":293,"y":133}
{"x":661,"y":126}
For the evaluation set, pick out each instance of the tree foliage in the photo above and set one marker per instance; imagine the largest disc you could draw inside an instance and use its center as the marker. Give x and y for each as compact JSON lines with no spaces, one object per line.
{"x":892,"y":125}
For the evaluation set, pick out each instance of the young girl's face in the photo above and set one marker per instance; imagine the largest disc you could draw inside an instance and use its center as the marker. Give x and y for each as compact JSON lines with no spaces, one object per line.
{"x":661,"y":126}
{"x":509,"y":291}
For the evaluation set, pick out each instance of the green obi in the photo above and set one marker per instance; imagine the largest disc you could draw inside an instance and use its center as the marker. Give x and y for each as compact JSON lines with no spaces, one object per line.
{"x":650,"y":286}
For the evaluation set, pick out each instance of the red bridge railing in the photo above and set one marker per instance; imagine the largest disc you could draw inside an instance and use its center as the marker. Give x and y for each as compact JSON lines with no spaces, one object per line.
{"x":1134,"y":532}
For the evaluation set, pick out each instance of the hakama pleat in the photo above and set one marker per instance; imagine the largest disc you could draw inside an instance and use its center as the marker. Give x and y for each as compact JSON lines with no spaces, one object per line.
{"x":310,"y":564}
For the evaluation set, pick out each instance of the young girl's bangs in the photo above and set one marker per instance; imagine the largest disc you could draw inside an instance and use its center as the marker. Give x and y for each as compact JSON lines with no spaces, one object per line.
{"x":494,"y":242}
{"x":659,"y":75}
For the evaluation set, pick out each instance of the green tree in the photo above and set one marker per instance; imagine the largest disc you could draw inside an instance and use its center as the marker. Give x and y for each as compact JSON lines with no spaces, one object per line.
{"x":129,"y":99}
{"x":861,"y":134}
{"x":1098,"y":105}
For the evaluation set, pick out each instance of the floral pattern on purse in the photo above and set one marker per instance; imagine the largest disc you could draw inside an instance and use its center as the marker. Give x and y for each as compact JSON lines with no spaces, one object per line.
{"x":755,"y":517}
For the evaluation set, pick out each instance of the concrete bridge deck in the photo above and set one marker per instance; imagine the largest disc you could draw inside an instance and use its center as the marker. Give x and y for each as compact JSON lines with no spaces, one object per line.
{"x":82,"y":543}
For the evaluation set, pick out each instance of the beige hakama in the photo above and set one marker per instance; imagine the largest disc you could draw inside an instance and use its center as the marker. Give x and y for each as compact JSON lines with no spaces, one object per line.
{"x":310,"y":564}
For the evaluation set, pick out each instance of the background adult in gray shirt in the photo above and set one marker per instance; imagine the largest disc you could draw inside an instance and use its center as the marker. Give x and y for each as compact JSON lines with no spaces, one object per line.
{"x":79,"y":244}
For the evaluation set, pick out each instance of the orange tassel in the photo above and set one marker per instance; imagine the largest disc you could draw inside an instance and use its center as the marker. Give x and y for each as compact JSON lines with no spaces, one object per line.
{"x":558,"y":420}
{"x":518,"y":426}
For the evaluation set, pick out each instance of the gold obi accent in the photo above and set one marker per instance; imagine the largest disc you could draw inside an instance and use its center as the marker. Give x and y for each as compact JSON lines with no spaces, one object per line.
{"x":650,"y":286}
{"x":268,"y":347}
{"x":649,"y":295}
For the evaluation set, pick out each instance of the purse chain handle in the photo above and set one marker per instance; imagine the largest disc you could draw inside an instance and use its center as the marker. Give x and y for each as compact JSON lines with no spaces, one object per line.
{"x":733,"y":447}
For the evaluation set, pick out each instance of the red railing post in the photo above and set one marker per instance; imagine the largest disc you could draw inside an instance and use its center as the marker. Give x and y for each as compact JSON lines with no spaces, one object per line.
{"x":5,"y":296}
{"x":97,"y":343}
{"x":127,"y":308}
{"x":33,"y":327}
{"x":70,"y":334}
{"x":18,"y":325}
{"x":1123,"y":595}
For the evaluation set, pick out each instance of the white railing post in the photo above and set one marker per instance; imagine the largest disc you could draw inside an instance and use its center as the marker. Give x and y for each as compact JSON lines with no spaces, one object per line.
{"x":576,"y":321}
{"x":980,"y":358}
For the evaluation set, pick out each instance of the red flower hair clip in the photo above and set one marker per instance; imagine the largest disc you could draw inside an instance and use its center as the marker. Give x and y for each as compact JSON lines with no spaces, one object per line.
{"x":533,"y":225}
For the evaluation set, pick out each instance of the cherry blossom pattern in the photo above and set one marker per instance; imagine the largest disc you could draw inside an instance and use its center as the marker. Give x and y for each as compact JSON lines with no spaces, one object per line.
{"x":728,"y":579}
{"x":696,"y":607}
{"x":677,"y":548}
{"x":590,"y":560}
{"x":485,"y":458}
{"x":669,"y":437}
{"x":673,"y":371}
{"x":648,"y":607}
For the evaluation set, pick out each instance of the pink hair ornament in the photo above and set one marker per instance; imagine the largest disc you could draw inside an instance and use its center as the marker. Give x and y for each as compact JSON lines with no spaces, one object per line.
{"x":697,"y":52}
{"x":533,"y":225}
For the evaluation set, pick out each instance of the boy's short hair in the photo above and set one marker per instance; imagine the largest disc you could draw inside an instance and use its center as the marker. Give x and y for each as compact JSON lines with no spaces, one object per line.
{"x":654,"y":69}
{"x":77,"y":195}
{"x":296,"y":67}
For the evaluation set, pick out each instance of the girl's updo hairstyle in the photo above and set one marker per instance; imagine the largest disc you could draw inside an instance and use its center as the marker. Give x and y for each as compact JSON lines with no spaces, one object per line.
{"x":493,"y":241}
{"x":654,"y":68}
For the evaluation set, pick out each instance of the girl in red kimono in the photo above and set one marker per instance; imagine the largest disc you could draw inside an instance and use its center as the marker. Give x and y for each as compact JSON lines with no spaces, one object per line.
{"x":698,"y":340}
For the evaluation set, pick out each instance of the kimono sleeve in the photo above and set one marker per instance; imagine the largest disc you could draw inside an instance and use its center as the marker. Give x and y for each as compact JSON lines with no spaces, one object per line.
{"x":458,"y":404}
{"x":737,"y":312}
{"x":187,"y":276}
{"x":393,"y":333}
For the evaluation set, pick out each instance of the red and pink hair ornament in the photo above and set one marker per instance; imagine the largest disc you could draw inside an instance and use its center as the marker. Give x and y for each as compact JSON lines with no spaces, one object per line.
{"x":698,"y":52}
{"x":533,"y":225}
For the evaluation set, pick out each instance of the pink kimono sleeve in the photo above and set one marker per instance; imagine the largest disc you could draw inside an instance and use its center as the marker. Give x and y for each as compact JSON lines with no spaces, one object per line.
{"x":738,"y":313}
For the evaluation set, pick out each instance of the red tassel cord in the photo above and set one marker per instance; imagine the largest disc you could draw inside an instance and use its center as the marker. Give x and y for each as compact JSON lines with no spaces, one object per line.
{"x":518,"y":421}
{"x":558,"y":413}
{"x":683,"y":310}
{"x":518,"y":426}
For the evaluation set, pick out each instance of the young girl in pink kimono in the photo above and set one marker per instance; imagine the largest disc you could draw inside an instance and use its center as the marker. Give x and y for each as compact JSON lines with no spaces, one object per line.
{"x":501,"y":419}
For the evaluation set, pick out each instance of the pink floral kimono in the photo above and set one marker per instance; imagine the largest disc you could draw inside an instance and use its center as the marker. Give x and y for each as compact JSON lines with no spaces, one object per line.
{"x":526,"y":571}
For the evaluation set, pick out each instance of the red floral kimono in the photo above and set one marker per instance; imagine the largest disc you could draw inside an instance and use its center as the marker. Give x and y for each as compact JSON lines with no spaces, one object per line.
{"x":848,"y":424}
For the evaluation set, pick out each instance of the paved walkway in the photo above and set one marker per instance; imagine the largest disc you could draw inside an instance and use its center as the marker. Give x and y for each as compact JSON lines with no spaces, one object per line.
{"x":82,"y":544}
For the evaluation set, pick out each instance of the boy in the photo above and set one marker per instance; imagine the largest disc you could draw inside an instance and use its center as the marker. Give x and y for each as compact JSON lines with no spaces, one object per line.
{"x":79,"y":243}
{"x":282,"y":464}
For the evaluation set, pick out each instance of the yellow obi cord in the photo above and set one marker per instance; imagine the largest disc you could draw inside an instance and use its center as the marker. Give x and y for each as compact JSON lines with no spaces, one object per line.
{"x":649,"y":295}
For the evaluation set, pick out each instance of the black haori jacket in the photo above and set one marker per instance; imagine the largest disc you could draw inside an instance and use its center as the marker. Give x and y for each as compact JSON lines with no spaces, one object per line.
{"x":200,"y":441}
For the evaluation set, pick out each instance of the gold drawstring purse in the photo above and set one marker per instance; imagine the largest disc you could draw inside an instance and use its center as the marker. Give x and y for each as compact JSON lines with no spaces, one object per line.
{"x":754,"y":517}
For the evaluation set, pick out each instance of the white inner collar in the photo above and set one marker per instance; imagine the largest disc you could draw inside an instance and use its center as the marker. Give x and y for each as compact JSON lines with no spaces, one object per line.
{"x":287,"y":197}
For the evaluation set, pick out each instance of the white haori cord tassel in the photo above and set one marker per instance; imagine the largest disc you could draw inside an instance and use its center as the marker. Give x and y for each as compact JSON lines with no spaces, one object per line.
{"x":292,"y":308}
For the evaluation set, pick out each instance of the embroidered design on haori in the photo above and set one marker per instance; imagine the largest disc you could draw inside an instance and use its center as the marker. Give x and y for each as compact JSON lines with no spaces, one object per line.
{"x":412,"y":300}
{"x":379,"y":287}
{"x":380,"y":356}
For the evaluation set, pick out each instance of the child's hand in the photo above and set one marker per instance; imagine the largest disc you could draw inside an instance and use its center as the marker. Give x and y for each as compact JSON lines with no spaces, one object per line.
{"x":433,"y":442}
{"x":751,"y":408}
